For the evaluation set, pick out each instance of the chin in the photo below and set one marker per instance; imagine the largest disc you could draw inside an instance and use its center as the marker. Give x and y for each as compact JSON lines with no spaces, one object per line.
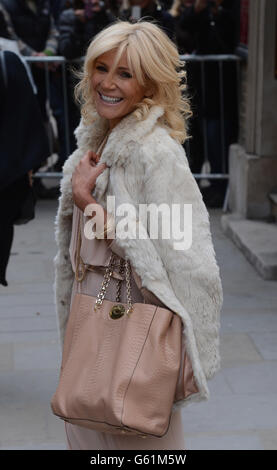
{"x":109,"y":114}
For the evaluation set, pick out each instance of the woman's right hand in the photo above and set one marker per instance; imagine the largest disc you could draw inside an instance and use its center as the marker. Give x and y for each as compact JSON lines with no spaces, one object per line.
{"x":84,"y":179}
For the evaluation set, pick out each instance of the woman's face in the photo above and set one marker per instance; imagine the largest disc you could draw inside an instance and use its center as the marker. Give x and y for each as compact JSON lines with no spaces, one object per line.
{"x":115,"y":94}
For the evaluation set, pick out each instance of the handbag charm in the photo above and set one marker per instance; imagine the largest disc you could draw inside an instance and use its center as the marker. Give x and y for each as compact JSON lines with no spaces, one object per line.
{"x":117,"y":311}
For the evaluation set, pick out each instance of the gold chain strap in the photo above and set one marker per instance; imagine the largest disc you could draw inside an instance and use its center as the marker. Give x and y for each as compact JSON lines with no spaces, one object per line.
{"x":118,"y":288}
{"x":81,"y":269}
{"x":116,"y":312}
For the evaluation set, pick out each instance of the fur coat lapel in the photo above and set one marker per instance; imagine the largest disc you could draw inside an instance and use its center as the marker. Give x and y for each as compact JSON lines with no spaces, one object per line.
{"x":116,"y":151}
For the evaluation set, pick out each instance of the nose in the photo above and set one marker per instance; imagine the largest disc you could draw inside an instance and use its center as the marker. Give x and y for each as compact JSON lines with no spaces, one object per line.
{"x":108,"y":82}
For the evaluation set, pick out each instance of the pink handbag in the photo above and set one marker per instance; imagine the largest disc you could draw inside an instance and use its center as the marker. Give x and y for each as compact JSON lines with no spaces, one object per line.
{"x":120,"y":363}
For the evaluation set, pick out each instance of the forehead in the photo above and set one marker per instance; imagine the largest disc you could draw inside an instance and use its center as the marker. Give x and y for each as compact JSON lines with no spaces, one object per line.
{"x":110,"y":57}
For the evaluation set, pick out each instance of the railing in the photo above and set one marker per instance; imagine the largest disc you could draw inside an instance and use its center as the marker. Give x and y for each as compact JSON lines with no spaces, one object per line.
{"x":219,"y":59}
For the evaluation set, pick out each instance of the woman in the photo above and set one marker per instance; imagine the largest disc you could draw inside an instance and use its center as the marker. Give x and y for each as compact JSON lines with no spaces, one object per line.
{"x":133,"y":110}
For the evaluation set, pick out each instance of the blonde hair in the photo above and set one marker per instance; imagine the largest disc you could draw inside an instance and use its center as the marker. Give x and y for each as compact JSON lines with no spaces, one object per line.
{"x":154,"y":60}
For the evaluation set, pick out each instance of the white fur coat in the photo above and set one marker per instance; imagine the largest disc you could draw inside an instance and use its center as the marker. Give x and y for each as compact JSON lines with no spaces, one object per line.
{"x":148,"y":166}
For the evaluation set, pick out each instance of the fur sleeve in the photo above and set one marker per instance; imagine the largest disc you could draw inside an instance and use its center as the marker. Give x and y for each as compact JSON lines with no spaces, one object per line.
{"x":193,"y":272}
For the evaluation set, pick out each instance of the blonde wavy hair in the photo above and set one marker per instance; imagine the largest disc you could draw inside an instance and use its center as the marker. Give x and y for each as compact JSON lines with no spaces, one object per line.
{"x":154,"y":60}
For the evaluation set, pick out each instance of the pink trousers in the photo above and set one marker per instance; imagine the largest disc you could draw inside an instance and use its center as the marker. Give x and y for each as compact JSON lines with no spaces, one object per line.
{"x":79,"y":438}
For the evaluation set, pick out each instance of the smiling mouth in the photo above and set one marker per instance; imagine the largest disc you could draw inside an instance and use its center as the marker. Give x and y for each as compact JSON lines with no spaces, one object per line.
{"x":109,"y":99}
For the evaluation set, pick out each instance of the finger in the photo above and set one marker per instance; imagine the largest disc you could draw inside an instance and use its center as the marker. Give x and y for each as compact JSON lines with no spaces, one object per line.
{"x":90,"y":155}
{"x":101,"y":167}
{"x":95,"y":157}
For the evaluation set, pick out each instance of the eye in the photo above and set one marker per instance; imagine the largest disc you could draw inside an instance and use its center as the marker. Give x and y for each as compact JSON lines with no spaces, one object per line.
{"x":101,"y":68}
{"x":126,"y":75}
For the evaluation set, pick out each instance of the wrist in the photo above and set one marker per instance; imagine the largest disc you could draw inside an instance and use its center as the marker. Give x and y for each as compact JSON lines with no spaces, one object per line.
{"x":84,"y":199}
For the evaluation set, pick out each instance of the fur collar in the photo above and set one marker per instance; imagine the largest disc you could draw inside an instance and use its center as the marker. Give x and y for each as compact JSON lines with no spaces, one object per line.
{"x":117,"y":151}
{"x":126,"y":133}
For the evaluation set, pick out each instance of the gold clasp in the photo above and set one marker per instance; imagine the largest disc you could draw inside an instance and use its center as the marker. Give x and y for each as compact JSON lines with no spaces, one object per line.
{"x":117,"y":311}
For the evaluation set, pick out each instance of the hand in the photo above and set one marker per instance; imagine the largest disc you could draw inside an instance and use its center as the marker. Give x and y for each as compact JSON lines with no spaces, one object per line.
{"x":84,"y":179}
{"x":51,"y":65}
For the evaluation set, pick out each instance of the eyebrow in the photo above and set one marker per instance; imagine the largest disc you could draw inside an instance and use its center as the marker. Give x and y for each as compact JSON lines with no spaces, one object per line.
{"x":120,"y":68}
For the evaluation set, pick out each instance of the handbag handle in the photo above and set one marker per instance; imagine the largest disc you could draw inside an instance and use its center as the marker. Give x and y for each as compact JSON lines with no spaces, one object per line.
{"x":106,"y":280}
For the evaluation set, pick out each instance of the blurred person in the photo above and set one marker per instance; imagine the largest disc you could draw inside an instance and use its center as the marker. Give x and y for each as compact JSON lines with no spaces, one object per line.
{"x":149,"y":10}
{"x":55,"y":9}
{"x":166,"y":4}
{"x":212,"y":24}
{"x":114,"y":6}
{"x":23,"y":147}
{"x":185,"y":39}
{"x":7,"y":31}
{"x":79,"y":24}
{"x":208,"y":27}
{"x":35,"y":27}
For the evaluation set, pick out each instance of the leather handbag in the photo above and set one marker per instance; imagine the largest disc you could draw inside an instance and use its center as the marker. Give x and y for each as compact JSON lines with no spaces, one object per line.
{"x":120,"y":362}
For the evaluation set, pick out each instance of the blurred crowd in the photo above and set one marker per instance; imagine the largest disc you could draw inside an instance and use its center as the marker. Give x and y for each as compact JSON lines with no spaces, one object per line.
{"x":45,"y":28}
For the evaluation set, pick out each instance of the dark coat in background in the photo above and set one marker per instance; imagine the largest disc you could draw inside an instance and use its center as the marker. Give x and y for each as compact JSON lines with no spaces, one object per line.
{"x":213,"y":101}
{"x":36,"y":30}
{"x":155,"y":12}
{"x":23,"y":146}
{"x":75,"y":35}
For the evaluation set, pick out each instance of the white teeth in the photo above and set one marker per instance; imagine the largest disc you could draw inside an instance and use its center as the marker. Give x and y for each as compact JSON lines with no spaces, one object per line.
{"x":109,"y":99}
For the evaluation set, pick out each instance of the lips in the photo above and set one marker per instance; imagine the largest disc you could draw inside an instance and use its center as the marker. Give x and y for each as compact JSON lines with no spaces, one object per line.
{"x":110,"y":99}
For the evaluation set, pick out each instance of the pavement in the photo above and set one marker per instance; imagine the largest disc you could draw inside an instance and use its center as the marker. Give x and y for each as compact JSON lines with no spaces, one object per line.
{"x":241,"y":412}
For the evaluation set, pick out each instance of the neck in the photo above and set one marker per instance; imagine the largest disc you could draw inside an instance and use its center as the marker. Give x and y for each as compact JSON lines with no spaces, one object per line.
{"x":112,"y":124}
